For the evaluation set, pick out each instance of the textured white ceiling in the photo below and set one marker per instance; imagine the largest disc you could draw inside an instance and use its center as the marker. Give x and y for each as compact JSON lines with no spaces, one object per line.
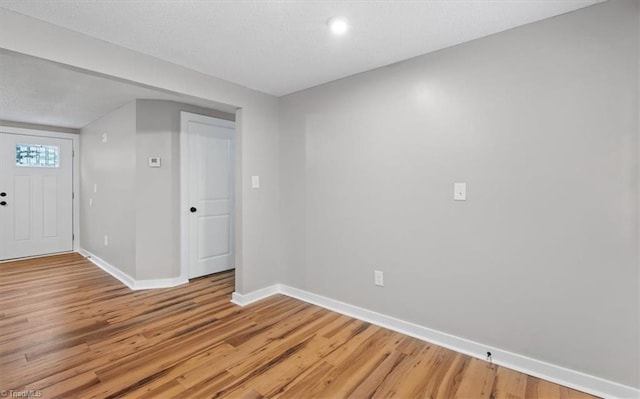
{"x":37,"y":91}
{"x":279,"y":47}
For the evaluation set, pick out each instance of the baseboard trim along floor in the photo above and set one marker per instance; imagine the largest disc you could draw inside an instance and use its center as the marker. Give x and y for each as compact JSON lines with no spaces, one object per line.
{"x":128,"y":280}
{"x":550,"y":372}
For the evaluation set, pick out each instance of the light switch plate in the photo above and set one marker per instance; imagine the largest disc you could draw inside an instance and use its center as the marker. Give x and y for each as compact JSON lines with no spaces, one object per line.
{"x":255,"y":181}
{"x":460,"y":191}
{"x":378,"y":278}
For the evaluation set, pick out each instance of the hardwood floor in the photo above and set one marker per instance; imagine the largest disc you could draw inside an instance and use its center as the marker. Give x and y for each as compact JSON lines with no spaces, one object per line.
{"x":69,"y":330}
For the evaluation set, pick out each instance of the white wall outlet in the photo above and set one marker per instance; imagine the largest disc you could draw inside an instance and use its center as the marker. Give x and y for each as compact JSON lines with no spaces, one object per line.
{"x":95,"y":187}
{"x":90,"y":202}
{"x":460,"y":191}
{"x":378,"y":278}
{"x":255,"y":181}
{"x":106,"y":240}
{"x":104,"y":137}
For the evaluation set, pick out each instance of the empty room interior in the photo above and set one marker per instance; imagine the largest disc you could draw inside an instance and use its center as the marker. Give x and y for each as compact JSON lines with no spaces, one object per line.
{"x":320,"y":199}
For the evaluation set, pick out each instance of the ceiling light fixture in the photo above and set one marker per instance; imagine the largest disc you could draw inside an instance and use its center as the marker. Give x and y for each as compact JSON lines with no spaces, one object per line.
{"x":338,"y":25}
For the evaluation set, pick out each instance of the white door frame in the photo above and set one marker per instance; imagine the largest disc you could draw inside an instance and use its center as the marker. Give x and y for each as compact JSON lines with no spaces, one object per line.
{"x":184,"y":190}
{"x":75,"y":142}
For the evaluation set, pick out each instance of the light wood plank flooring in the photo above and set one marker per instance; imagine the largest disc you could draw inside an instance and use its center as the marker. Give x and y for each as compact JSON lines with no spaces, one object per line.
{"x":70,"y":330}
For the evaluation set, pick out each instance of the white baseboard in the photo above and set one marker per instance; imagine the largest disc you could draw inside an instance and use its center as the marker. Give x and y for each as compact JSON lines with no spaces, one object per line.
{"x":128,"y":280}
{"x":159,"y":283}
{"x":570,"y":378}
{"x":246,"y":299}
{"x":107,"y":267}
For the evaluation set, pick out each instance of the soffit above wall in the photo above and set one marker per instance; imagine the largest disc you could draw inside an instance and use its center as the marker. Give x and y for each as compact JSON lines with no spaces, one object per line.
{"x":42,"y":92}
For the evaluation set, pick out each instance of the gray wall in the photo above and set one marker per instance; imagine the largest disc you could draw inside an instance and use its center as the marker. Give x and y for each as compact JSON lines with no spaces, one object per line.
{"x":542,"y":124}
{"x":158,"y":189}
{"x":112,"y":166}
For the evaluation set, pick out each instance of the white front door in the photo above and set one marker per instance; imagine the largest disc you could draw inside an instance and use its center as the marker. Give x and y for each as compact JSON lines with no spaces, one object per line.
{"x":36,"y":188}
{"x":210,"y":179}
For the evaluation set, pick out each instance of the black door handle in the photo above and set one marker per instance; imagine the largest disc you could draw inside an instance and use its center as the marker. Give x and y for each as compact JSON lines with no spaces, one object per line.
{"x":193,"y":209}
{"x":3,"y":203}
{"x":3,"y":194}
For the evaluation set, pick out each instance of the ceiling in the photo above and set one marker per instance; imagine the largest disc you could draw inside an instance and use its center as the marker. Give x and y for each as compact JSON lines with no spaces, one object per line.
{"x":279,"y":47}
{"x":42,"y":92}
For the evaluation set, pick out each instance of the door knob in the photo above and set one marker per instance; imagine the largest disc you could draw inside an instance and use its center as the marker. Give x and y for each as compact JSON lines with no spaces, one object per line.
{"x":193,"y":209}
{"x":3,"y":203}
{"x":3,"y":194}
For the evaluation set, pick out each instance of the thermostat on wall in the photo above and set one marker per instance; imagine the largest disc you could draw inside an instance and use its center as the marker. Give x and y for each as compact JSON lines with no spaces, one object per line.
{"x":154,"y":162}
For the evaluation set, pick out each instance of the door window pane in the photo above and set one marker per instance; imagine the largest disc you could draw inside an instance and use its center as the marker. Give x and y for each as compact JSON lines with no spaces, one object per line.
{"x":38,"y":156}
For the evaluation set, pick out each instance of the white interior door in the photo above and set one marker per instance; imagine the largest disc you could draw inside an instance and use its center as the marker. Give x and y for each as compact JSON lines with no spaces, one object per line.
{"x":211,"y":146}
{"x":36,"y":188}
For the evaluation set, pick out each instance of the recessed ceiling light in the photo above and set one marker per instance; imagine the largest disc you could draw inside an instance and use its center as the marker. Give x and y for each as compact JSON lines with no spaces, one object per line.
{"x":338,"y":25}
